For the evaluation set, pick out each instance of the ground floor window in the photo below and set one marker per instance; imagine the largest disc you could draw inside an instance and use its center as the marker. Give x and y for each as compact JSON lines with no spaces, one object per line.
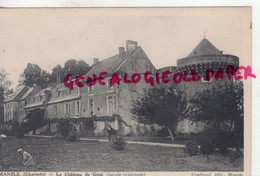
{"x":67,"y":109}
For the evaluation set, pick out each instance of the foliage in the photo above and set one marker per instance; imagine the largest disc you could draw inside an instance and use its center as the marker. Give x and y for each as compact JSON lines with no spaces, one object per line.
{"x":35,"y":119}
{"x":212,"y":138}
{"x":75,"y":68}
{"x":224,"y":140}
{"x":72,"y":136}
{"x":64,"y":127}
{"x":119,"y":143}
{"x":207,"y":143}
{"x":57,"y":71}
{"x":235,"y":155}
{"x":219,"y":105}
{"x":89,"y":126}
{"x":5,"y":83}
{"x":162,"y":105}
{"x":2,"y":104}
{"x":5,"y":91}
{"x":34,"y":75}
{"x":18,"y":129}
{"x":192,"y":148}
{"x":163,"y":132}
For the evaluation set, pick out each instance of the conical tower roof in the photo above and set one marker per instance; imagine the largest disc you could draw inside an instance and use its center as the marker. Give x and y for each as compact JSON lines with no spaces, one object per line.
{"x":204,"y":48}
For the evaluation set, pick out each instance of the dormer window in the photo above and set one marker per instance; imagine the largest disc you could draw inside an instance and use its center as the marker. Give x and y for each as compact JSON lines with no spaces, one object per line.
{"x":109,"y":84}
{"x":90,"y":88}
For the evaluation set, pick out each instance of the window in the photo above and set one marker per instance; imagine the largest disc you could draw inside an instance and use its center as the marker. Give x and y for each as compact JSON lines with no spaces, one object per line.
{"x":91,"y":106}
{"x":69,"y":91}
{"x":55,"y":110}
{"x":77,"y":108}
{"x":41,"y":98}
{"x":110,"y":108}
{"x":58,"y":94}
{"x":109,"y":84}
{"x":90,"y":88}
{"x":67,"y":109}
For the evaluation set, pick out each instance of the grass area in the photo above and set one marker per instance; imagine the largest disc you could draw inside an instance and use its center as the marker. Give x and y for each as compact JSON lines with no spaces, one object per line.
{"x":57,"y":155}
{"x":150,"y":139}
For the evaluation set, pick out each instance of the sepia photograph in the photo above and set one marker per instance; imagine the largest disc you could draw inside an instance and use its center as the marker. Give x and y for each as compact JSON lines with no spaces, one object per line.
{"x":144,"y":90}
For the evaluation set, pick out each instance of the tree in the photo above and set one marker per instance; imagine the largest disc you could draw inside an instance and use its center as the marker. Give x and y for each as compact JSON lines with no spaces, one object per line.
{"x":57,"y":71}
{"x":5,"y":83}
{"x":162,"y":105}
{"x":35,"y":119}
{"x":219,"y":105}
{"x":1,"y":104}
{"x":34,"y":75}
{"x":75,"y":68}
{"x":70,"y":67}
{"x":5,"y":91}
{"x":83,"y":67}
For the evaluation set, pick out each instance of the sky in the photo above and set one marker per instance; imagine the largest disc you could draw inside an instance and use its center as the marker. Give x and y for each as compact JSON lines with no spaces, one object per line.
{"x":48,"y":37}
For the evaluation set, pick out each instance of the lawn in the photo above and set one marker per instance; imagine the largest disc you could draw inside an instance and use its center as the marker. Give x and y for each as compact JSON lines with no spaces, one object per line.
{"x":58,"y":155}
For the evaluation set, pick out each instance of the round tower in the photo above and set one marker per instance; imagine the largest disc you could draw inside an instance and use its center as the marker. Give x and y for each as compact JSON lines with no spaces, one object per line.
{"x":203,"y":57}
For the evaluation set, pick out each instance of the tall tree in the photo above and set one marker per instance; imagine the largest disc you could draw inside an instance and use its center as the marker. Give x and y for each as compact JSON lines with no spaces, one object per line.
{"x":34,"y":75}
{"x":57,"y":71}
{"x":83,"y":67}
{"x":76,"y":68}
{"x":70,"y":67}
{"x":1,"y":104}
{"x":5,"y":83}
{"x":219,"y":105}
{"x":162,"y":105}
{"x":5,"y":91}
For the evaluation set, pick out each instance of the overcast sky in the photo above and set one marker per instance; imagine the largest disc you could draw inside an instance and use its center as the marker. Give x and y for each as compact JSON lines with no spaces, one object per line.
{"x":48,"y":37}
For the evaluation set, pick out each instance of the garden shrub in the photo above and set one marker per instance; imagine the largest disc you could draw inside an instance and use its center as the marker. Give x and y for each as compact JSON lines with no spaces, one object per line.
{"x":119,"y":144}
{"x":224,"y":140}
{"x":18,"y":130}
{"x":72,"y":136}
{"x":206,"y":141}
{"x":131,"y":133}
{"x":35,"y":119}
{"x":65,"y":127}
{"x":235,"y":155}
{"x":162,"y":132}
{"x":192,"y":148}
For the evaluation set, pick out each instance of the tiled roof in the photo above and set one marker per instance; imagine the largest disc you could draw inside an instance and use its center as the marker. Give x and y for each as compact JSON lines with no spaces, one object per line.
{"x":68,"y":98}
{"x":204,"y":48}
{"x":39,"y":103}
{"x":42,"y":92}
{"x":27,"y":93}
{"x":16,"y":95}
{"x":108,"y":65}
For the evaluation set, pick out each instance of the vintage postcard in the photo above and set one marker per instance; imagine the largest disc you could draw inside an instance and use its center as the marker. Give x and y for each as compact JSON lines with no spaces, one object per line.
{"x":126,"y":91}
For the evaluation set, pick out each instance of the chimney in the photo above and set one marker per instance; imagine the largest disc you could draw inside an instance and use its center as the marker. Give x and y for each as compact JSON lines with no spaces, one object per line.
{"x":95,"y":60}
{"x":130,"y":47}
{"x":121,"y":51}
